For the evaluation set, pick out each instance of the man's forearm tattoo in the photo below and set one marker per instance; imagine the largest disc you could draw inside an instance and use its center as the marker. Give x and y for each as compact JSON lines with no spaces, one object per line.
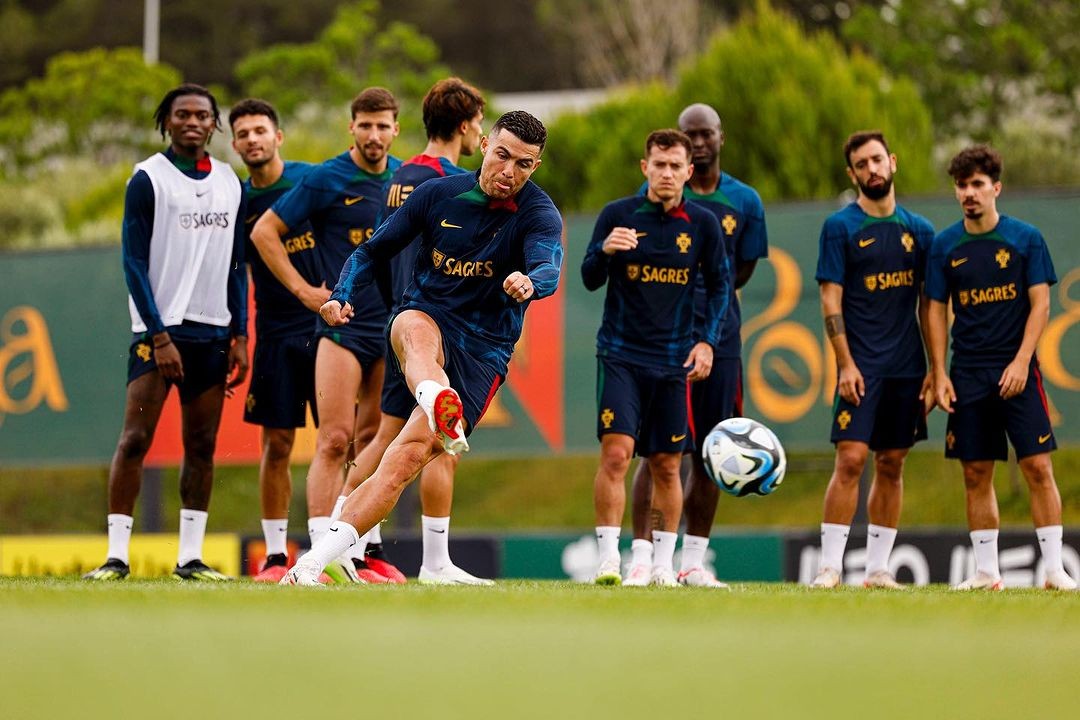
{"x":834,"y":325}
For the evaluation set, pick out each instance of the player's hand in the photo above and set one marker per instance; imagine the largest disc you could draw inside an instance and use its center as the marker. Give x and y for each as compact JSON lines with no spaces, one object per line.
{"x":851,"y":385}
{"x":699,"y":361}
{"x":334,"y":314}
{"x":1013,"y":379}
{"x":926,"y":393}
{"x":314,"y":297}
{"x":944,"y":393}
{"x":167,"y":358}
{"x":238,"y":364}
{"x":619,"y":239}
{"x":518,"y":286}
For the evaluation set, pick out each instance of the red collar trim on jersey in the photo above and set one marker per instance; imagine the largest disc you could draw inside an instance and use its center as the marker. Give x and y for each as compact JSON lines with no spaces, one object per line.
{"x":203,"y":164}
{"x":679,"y":211}
{"x":507,"y":204}
{"x":428,"y":161}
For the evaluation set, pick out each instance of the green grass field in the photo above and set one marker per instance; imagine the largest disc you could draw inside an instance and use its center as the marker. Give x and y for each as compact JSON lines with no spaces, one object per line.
{"x":532,"y":650}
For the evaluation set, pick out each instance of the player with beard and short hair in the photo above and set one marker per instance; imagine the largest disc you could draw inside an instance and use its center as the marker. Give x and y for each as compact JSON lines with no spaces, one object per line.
{"x":870,"y":272}
{"x":742,"y":219}
{"x":283,"y":369}
{"x":342,"y":199}
{"x":996,"y":271}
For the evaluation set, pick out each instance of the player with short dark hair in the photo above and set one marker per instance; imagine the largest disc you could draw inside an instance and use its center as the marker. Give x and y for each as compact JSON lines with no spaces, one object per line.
{"x":453,"y":111}
{"x":283,"y":370}
{"x":183,"y":253}
{"x":742,"y":219}
{"x":491,"y":243}
{"x":870,"y":266}
{"x":342,"y":199}
{"x":996,"y":271}
{"x":649,"y":251}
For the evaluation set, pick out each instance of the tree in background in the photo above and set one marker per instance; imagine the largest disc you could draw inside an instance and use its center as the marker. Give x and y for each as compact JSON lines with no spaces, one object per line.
{"x":788,"y":101}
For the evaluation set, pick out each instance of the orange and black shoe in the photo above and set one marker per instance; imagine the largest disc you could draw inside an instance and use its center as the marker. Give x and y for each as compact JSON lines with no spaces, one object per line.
{"x":377,"y":561}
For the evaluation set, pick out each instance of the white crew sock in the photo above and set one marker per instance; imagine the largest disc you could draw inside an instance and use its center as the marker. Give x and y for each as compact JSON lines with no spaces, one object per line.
{"x":664,"y":549}
{"x":607,"y":541}
{"x":436,"y":542}
{"x":985,"y":544}
{"x":1050,"y":546}
{"x":359,"y":550}
{"x":317,"y":527}
{"x":375,"y":534}
{"x":833,"y":542}
{"x":276,"y":534}
{"x":642,"y":552}
{"x":337,"y":507}
{"x":426,"y":392}
{"x":192,"y":532}
{"x":120,"y":536}
{"x":333,"y":543}
{"x":879,"y":545}
{"x":693,"y":551}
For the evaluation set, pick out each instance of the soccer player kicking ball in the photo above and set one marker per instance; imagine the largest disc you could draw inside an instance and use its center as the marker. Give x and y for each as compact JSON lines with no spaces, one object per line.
{"x":491,"y":242}
{"x":649,"y":251}
{"x":996,"y":272}
{"x":870,"y":264}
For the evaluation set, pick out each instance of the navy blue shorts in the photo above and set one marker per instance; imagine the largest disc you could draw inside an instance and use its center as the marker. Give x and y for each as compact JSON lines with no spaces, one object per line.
{"x":649,"y":404}
{"x":367,"y":348}
{"x":717,"y":397}
{"x":890,"y":416}
{"x":396,"y":401}
{"x":282,"y":382}
{"x":978,"y":428}
{"x":474,"y":381}
{"x":205,"y":363}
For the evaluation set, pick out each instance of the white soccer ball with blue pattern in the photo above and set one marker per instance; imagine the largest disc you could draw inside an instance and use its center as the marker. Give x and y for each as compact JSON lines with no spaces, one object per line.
{"x":743,"y":457}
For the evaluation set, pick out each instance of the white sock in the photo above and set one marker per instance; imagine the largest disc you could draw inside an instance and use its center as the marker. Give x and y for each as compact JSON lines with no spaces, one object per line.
{"x":276,"y":533}
{"x":1050,"y":546}
{"x":663,"y":549}
{"x":436,"y":542}
{"x":642,"y":552}
{"x":607,"y":541}
{"x":120,"y":536}
{"x":337,"y":507}
{"x":426,"y":392}
{"x":338,"y":538}
{"x":317,"y":527}
{"x":693,"y":551}
{"x":833,"y":542}
{"x":985,"y":544}
{"x":359,"y":550}
{"x":879,"y":544}
{"x":192,"y":532}
{"x":375,"y":534}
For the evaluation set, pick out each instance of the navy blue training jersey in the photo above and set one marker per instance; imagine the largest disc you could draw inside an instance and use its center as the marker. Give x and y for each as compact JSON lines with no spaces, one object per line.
{"x":742,"y":221}
{"x":649,"y":306}
{"x":880,"y":263}
{"x":987,"y":277}
{"x":343,"y":204}
{"x":469,"y":244}
{"x":278,"y":312}
{"x":408,"y":177}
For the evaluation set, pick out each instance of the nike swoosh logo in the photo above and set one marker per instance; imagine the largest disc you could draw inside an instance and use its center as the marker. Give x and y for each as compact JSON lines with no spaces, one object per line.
{"x":867,"y":243}
{"x":958,"y":263}
{"x":446,"y":224}
{"x":353,"y":200}
{"x":333,"y":529}
{"x":1044,"y":438}
{"x":983,"y":542}
{"x":200,"y":194}
{"x":436,"y":531}
{"x":252,"y":219}
{"x":677,"y":438}
{"x":637,"y":234}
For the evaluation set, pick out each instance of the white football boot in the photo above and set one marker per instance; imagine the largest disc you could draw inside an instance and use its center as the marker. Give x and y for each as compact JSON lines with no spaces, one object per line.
{"x":1059,"y":580}
{"x":608,"y":572}
{"x":700,"y":577}
{"x":981,"y":581}
{"x":302,"y":574}
{"x":637,"y":576}
{"x":882,"y":579}
{"x":662,"y":577}
{"x":450,"y":575}
{"x":827,"y":577}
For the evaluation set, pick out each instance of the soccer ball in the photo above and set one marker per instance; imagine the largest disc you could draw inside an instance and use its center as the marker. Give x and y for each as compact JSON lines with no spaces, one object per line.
{"x":744,"y":457}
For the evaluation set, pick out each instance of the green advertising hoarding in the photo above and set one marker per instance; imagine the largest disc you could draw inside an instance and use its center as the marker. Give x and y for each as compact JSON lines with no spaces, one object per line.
{"x":64,"y":337}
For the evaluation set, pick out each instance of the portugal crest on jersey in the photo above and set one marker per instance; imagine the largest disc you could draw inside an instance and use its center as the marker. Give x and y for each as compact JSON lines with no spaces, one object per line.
{"x":683,"y":241}
{"x":871,"y":282}
{"x":964,"y":297}
{"x":908,"y":242}
{"x":843,"y":419}
{"x":632,"y":271}
{"x":1002,"y":258}
{"x":729,"y":224}
{"x":437,"y":258}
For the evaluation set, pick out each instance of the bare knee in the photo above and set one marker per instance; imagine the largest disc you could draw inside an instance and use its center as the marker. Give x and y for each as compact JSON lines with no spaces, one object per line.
{"x":615,"y":459}
{"x":134,"y":443}
{"x":1038,"y":470}
{"x":978,"y":476}
{"x":333,"y":442}
{"x":277,"y":445}
{"x":199,"y":445}
{"x":889,"y":466}
{"x":850,"y":461}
